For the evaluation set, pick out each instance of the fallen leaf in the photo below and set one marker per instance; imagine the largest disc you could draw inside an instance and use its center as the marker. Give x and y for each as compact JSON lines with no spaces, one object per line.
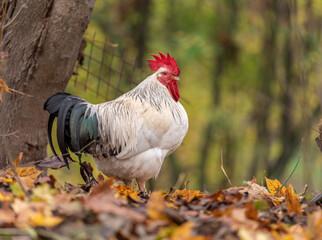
{"x":273,"y":186}
{"x":7,"y":216}
{"x":155,"y":206}
{"x":107,"y":203}
{"x":217,"y":196}
{"x":5,"y":196}
{"x":17,"y":190}
{"x":293,"y":204}
{"x":53,"y":162}
{"x":222,"y":211}
{"x":187,"y":194}
{"x":44,"y":193}
{"x":251,"y":211}
{"x":125,"y":191}
{"x":38,"y":219}
{"x":184,"y":232}
{"x":28,"y":175}
{"x":103,"y":187}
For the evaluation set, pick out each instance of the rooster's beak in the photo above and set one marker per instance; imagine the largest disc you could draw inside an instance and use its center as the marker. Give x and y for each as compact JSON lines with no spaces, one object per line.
{"x":176,"y":78}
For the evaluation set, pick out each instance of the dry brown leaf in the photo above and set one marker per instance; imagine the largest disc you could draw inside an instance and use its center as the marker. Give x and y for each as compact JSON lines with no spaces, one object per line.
{"x":103,"y":187}
{"x":255,"y":191}
{"x":7,"y":216}
{"x":221,"y":212}
{"x":217,"y":196}
{"x":155,"y":206}
{"x":107,"y":203}
{"x":251,"y":211}
{"x":293,"y":204}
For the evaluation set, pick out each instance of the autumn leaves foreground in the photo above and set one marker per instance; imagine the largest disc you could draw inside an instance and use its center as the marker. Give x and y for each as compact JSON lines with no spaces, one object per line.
{"x":39,"y":207}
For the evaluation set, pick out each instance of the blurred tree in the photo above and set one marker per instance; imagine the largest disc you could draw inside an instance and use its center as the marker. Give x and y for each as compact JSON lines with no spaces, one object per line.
{"x":42,"y":39}
{"x":267,"y":75}
{"x":223,"y":36}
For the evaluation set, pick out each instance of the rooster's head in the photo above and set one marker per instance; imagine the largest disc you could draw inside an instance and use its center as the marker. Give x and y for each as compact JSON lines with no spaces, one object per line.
{"x":168,"y":72}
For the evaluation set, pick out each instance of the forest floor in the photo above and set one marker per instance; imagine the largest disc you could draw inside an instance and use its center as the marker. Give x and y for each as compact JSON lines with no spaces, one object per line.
{"x":35,"y":206}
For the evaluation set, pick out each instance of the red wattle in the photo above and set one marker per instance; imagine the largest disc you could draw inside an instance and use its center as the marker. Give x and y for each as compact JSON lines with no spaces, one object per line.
{"x":173,"y":88}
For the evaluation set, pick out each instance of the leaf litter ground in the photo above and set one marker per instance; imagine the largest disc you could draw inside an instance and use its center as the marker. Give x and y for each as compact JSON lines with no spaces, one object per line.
{"x":35,"y":206}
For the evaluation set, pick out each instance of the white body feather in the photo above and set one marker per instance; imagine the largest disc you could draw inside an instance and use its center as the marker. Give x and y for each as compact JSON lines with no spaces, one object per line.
{"x":145,"y":124}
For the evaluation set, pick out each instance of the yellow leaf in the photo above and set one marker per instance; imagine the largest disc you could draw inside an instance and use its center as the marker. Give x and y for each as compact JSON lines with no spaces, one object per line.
{"x":38,"y":219}
{"x":4,"y":197}
{"x":273,"y":186}
{"x":184,"y":232}
{"x":125,"y":191}
{"x":7,"y":180}
{"x":291,"y":191}
{"x":171,"y":205}
{"x":27,"y":175}
{"x":155,"y":206}
{"x":187,"y":194}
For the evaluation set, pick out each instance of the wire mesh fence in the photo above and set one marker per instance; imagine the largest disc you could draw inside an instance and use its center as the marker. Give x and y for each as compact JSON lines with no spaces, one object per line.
{"x":102,"y":72}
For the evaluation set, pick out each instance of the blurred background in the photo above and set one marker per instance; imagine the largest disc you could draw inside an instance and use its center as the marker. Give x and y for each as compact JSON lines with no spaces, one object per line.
{"x":251,"y":82}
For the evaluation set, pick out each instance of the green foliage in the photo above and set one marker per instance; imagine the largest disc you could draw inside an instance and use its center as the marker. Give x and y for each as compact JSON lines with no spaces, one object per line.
{"x":251,"y":69}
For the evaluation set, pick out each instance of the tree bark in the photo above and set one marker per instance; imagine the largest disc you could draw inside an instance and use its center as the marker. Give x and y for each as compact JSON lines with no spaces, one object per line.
{"x":42,"y":41}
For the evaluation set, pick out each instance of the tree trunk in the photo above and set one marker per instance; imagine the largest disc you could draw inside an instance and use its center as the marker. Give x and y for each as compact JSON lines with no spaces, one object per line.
{"x":42,"y":41}
{"x":264,"y":101}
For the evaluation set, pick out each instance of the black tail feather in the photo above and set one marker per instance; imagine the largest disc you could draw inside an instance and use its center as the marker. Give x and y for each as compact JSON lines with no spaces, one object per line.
{"x":63,"y":122}
{"x":74,"y":129}
{"x":50,"y":126}
{"x":75,"y":125}
{"x":53,"y":103}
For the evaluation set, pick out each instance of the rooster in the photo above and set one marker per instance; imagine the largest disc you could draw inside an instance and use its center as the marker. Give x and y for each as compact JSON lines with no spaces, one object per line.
{"x":130,"y":136}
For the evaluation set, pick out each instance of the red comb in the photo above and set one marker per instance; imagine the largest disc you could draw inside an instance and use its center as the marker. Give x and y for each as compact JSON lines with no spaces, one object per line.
{"x":164,"y":61}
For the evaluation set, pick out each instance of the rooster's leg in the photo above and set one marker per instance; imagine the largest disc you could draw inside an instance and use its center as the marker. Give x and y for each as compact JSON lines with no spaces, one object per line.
{"x":141,"y":186}
{"x":128,"y":182}
{"x":142,"y":193}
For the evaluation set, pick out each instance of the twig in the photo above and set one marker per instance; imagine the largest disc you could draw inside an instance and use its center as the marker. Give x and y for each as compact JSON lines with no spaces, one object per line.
{"x":180,"y":180}
{"x":13,"y":19}
{"x":304,"y":190}
{"x":16,"y":91}
{"x":298,"y":160}
{"x":222,"y":168}
{"x":13,"y":167}
{"x":9,"y":134}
